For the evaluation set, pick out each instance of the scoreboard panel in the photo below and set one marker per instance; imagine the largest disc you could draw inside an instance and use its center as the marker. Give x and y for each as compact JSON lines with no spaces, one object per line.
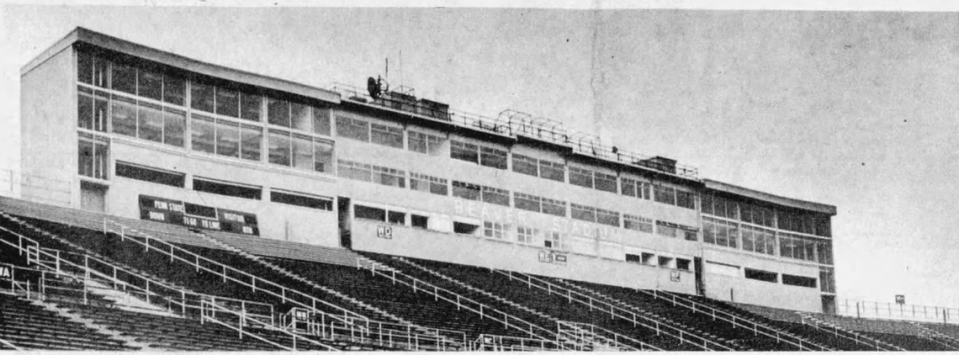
{"x":197,"y":216}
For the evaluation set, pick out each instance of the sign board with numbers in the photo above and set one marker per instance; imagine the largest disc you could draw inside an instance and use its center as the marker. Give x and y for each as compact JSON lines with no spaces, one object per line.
{"x":197,"y":216}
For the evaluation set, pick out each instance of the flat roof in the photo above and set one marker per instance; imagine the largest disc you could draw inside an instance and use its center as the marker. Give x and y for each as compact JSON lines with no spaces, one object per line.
{"x":83,"y":35}
{"x":770,"y":198}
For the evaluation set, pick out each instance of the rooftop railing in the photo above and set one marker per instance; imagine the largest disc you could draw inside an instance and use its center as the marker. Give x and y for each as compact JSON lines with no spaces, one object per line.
{"x":516,"y":123}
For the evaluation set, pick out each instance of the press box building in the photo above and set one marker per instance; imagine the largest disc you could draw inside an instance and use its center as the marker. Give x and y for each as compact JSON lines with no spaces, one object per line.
{"x":134,"y":132}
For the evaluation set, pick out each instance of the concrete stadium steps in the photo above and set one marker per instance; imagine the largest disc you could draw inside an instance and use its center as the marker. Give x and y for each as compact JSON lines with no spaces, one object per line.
{"x":552,"y":305}
{"x":180,"y":234}
{"x":30,"y":326}
{"x":418,"y":307}
{"x":806,"y":332}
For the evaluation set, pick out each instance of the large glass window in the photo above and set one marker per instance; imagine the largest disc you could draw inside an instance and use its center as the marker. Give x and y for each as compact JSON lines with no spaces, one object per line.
{"x":525,"y":165}
{"x":174,"y":90}
{"x":495,"y":196}
{"x":666,"y":229}
{"x":250,"y":106}
{"x":664,"y":194}
{"x":278,"y":112}
{"x":202,"y":97}
{"x":638,"y":223}
{"x":85,"y":67}
{"x":580,"y":177}
{"x":321,"y":121}
{"x":607,"y":217}
{"x":251,"y":138}
{"x":527,"y":202}
{"x":426,"y":183}
{"x":174,"y":123}
{"x":424,"y":143}
{"x":605,"y":182}
{"x":150,"y":122}
{"x":354,"y":170}
{"x":466,"y":190}
{"x":227,"y":138}
{"x":494,"y":158}
{"x":353,"y":128}
{"x":85,"y":108}
{"x":227,"y":102}
{"x":203,"y":135}
{"x":302,"y":117}
{"x":685,"y":199}
{"x":554,"y":207}
{"x":582,"y":213}
{"x":151,"y":85}
{"x":303,"y":200}
{"x":464,"y":151}
{"x":92,"y":159}
{"x":124,"y":78}
{"x":124,"y":116}
{"x":389,"y":177}
{"x":386,"y":135}
{"x":552,"y":171}
{"x":280,"y":153}
{"x":322,"y":156}
{"x":303,"y":152}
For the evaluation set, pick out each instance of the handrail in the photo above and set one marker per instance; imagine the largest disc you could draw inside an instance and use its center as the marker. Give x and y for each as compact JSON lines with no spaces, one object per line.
{"x":301,"y":319}
{"x":892,"y":311}
{"x":938,"y":337}
{"x":506,"y":301}
{"x":460,"y":301}
{"x":256,"y":283}
{"x":696,"y":307}
{"x":285,"y":294}
{"x":498,"y":343}
{"x":601,"y":332}
{"x":9,"y":344}
{"x":848,"y":334}
{"x":210,"y":310}
{"x":611,"y":309}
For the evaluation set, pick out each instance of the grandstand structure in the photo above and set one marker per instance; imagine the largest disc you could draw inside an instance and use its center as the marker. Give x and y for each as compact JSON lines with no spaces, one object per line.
{"x":168,"y":203}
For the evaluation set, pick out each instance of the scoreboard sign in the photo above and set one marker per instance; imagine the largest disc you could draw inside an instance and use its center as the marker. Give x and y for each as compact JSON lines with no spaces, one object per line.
{"x":197,"y":216}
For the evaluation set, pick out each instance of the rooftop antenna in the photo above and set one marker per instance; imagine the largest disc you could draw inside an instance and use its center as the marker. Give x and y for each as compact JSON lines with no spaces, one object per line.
{"x":380,"y":85}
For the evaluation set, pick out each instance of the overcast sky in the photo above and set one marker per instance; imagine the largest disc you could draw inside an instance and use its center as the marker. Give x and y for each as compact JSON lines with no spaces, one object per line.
{"x":852,"y":109}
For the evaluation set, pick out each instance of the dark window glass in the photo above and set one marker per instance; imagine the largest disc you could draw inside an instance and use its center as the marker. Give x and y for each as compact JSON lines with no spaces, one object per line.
{"x":396,"y":217}
{"x":174,"y":122}
{"x":301,"y":117}
{"x":707,"y":204}
{"x":354,"y":129}
{"x":85,"y":163}
{"x":493,"y":158}
{"x":632,"y":258}
{"x":278,"y":112}
{"x":583,"y":213}
{"x":628,"y":187}
{"x":464,"y":151}
{"x":685,"y":199}
{"x":203,"y":134}
{"x":151,"y":85}
{"x":495,"y":196}
{"x":466,"y":190}
{"x":527,"y":202}
{"x":609,"y":218}
{"x":85,"y":111}
{"x":124,"y":78}
{"x":202,"y":97}
{"x":251,"y":138}
{"x":280,"y":148}
{"x":322,"y":156}
{"x":605,"y":182}
{"x":321,"y":121}
{"x":301,"y":200}
{"x":377,"y":214}
{"x":227,"y":102}
{"x":100,"y":105}
{"x":150,"y":122}
{"x":417,"y":142}
{"x":418,"y":221}
{"x":85,"y":67}
{"x":684,"y":264}
{"x":464,"y":228}
{"x":665,"y":194}
{"x":386,"y":135}
{"x":580,"y":177}
{"x":174,"y":90}
{"x":150,"y":175}
{"x":552,"y":171}
{"x":525,"y":165}
{"x":226,"y":189}
{"x":250,"y":106}
{"x":303,"y":152}
{"x":227,"y":138}
{"x":198,"y":210}
{"x":799,"y":281}
{"x":556,"y":208}
{"x":124,"y":116}
{"x":762,"y":275}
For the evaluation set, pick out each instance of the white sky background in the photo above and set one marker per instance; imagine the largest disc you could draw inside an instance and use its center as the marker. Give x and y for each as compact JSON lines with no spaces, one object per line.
{"x":853,"y":109}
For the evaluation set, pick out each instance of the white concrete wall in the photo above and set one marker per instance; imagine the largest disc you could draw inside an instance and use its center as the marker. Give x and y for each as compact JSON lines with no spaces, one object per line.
{"x":760,"y":292}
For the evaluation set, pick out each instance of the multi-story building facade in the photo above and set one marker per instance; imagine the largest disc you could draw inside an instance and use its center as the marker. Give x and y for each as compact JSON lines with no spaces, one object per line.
{"x":134,"y":132}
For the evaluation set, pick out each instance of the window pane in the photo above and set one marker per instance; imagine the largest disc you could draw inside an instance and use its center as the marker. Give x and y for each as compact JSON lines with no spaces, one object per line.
{"x":203,"y":134}
{"x":493,"y":158}
{"x":151,"y":85}
{"x":150,"y":122}
{"x":322,"y":156}
{"x":279,"y":148}
{"x":85,"y":67}
{"x":605,"y":182}
{"x":580,"y":177}
{"x":628,"y":187}
{"x":125,"y":78}
{"x":85,"y":111}
{"x":321,"y":121}
{"x":227,"y":102}
{"x":174,"y":90}
{"x":100,"y":105}
{"x":302,"y":152}
{"x":124,"y":116}
{"x":386,"y":135}
{"x":85,"y":163}
{"x":464,"y":151}
{"x":174,"y":121}
{"x":227,"y":138}
{"x":250,"y":107}
{"x":417,"y":142}
{"x":201,"y":97}
{"x":552,"y":171}
{"x":525,"y":165}
{"x":278,"y":112}
{"x":100,"y":160}
{"x":555,"y":208}
{"x":251,"y":138}
{"x":100,"y":66}
{"x":302,"y":117}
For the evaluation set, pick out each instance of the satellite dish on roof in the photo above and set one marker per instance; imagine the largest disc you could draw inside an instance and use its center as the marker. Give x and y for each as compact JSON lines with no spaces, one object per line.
{"x":373,"y":86}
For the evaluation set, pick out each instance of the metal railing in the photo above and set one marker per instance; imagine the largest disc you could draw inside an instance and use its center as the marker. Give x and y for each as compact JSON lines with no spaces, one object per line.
{"x":616,"y":312}
{"x":461,"y":302}
{"x":884,"y":310}
{"x":212,"y":312}
{"x":721,"y":315}
{"x":592,"y":332}
{"x":301,"y":320}
{"x":937,"y":337}
{"x":515,"y":123}
{"x":491,"y":342}
{"x":841,"y":332}
{"x":257,"y":284}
